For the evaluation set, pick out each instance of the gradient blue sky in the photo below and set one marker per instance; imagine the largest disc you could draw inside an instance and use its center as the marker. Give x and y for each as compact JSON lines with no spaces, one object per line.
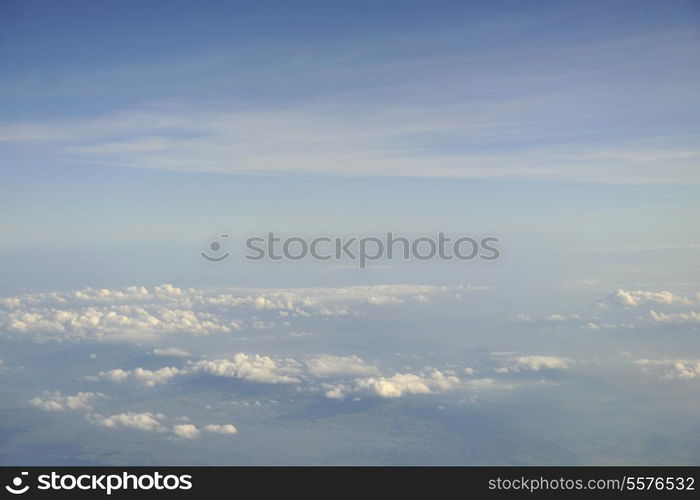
{"x":600,"y":92}
{"x":510,"y":108}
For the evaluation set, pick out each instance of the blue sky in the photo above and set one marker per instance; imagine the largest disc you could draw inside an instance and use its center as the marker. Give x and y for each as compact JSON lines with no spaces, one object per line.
{"x":123,"y":123}
{"x":134,"y":133}
{"x":561,"y":92}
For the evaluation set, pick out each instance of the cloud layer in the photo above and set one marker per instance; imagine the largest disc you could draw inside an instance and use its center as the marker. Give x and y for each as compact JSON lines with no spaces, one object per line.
{"x":139,"y":313}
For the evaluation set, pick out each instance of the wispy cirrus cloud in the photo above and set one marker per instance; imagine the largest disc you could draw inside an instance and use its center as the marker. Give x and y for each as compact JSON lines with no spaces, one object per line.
{"x":470,"y":118}
{"x":375,"y":144}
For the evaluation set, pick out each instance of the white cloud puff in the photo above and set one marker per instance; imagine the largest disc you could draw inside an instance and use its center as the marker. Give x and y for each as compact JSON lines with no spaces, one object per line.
{"x":678,"y":318}
{"x":221,"y":429}
{"x":634,"y":298}
{"x":55,"y":401}
{"x":186,"y":431}
{"x":142,"y":376}
{"x":516,"y":364}
{"x":329,"y":366}
{"x":255,"y":367}
{"x":620,"y":310}
{"x":154,"y":422}
{"x":398,"y":385}
{"x":673,"y":369}
{"x":121,"y":321}
{"x":146,"y":421}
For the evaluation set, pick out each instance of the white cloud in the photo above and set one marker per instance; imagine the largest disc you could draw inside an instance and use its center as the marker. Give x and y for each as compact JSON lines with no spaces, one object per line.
{"x":684,"y":317}
{"x":337,"y":376}
{"x":681,"y":369}
{"x":561,"y":317}
{"x":121,"y":321}
{"x":146,"y":421}
{"x":154,"y":422}
{"x":397,"y":385}
{"x":685,"y":369}
{"x":549,"y":320}
{"x":255,"y":367}
{"x":139,"y":313}
{"x":116,"y":375}
{"x":377,"y":140}
{"x":383,"y":299}
{"x":634,"y":298}
{"x":329,"y":366}
{"x":55,"y":401}
{"x":46,"y":404}
{"x":11,"y":302}
{"x":142,"y":376}
{"x":221,"y":429}
{"x":621,"y":310}
{"x":186,"y":431}
{"x":516,"y":364}
{"x":171,"y":351}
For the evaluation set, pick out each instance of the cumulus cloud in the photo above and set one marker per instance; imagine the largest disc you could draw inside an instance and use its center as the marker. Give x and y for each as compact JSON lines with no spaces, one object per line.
{"x":221,"y":429}
{"x":186,"y":431}
{"x":684,"y":369}
{"x":156,"y":422}
{"x":142,"y":376}
{"x":125,"y":321}
{"x":398,"y":385}
{"x":56,"y":401}
{"x":329,"y":366}
{"x":147,"y":421}
{"x":634,"y":298}
{"x":679,"y":318}
{"x":620,"y":310}
{"x":139,"y":312}
{"x":681,"y":369}
{"x":516,"y":364}
{"x":337,"y":376}
{"x":254,"y":367}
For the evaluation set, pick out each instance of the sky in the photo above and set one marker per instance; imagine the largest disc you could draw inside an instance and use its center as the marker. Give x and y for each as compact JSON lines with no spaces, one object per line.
{"x":134,"y":134}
